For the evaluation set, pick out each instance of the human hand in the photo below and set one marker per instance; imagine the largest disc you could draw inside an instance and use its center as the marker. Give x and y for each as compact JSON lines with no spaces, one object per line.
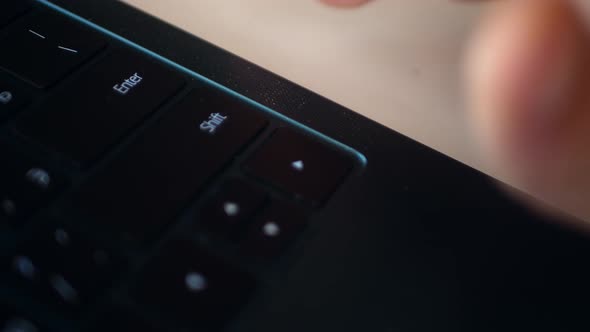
{"x":527,"y":71}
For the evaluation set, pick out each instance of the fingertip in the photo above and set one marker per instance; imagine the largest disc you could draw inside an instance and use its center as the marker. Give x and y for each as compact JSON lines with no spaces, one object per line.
{"x":521,"y":73}
{"x":526,"y":77}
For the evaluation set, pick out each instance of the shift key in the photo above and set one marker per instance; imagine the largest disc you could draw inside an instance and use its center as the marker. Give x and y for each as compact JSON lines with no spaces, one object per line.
{"x":92,"y":113}
{"x":139,"y":194}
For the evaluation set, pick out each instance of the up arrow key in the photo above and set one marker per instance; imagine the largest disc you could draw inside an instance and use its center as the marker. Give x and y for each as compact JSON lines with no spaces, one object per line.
{"x":298,"y":165}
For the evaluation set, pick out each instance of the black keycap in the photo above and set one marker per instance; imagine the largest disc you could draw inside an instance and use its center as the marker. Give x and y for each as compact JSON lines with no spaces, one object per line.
{"x":64,"y":268}
{"x":193,"y":288}
{"x":13,"y":320}
{"x":300,"y":165}
{"x":43,"y":47}
{"x":18,"y":324}
{"x":93,"y":113}
{"x":231,"y":207}
{"x":120,"y":320}
{"x":274,"y":230}
{"x":142,"y":191}
{"x":13,"y":95}
{"x":25,"y":187}
{"x":12,"y":9}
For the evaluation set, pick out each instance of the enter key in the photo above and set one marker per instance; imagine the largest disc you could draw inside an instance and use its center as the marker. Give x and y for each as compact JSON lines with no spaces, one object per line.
{"x":92,"y":113}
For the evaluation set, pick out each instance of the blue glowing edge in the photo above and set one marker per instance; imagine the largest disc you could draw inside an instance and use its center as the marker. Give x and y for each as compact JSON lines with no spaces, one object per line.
{"x":361,"y":158}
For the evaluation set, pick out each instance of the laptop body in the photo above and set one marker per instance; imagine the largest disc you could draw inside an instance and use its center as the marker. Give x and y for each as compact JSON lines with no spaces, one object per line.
{"x":170,"y":185}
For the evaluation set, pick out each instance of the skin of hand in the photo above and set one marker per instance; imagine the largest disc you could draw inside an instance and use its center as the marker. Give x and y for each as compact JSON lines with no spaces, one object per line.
{"x":527,"y":73}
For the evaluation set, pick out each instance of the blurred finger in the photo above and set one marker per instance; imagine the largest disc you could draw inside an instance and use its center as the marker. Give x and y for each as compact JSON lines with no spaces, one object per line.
{"x":527,"y":77}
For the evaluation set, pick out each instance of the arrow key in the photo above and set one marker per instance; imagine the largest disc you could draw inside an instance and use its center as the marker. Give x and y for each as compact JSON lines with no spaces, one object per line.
{"x":298,"y":164}
{"x":274,"y":230}
{"x":231,"y":207}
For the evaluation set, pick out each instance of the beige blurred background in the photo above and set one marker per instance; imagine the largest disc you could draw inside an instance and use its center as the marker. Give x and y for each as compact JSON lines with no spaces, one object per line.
{"x":395,"y":61}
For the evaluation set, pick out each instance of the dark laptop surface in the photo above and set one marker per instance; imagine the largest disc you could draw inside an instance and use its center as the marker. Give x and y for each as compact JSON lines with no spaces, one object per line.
{"x":150,"y":181}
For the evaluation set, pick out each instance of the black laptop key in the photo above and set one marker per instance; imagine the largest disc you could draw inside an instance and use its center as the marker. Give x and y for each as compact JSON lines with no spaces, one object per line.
{"x":14,"y":95}
{"x":142,"y":191}
{"x":300,"y":165}
{"x":194,"y":288}
{"x":274,"y":230}
{"x":12,"y":9}
{"x":92,"y":113}
{"x":13,"y":320}
{"x":43,"y":47}
{"x":231,"y":207}
{"x":64,"y":268}
{"x":121,"y":320}
{"x":25,"y":187}
{"x":18,"y":324}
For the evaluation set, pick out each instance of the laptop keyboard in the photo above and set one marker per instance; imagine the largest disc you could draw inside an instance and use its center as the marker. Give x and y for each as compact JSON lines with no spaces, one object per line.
{"x":45,"y":47}
{"x":136,"y":195}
